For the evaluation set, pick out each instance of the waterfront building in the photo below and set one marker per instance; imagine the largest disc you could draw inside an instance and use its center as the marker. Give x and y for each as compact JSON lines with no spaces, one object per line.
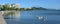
{"x":13,"y":5}
{"x":17,"y":5}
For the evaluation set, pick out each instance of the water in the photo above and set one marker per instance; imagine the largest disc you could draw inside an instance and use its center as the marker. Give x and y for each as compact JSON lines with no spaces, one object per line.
{"x":36,"y":17}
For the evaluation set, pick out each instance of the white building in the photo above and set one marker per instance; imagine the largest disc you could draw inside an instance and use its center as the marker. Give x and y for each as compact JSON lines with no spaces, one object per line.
{"x":1,"y":6}
{"x":13,"y":5}
{"x":17,"y":5}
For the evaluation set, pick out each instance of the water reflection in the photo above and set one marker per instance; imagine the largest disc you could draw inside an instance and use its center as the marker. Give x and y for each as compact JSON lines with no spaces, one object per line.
{"x":9,"y":15}
{"x":15,"y":14}
{"x":35,"y":17}
{"x":12,"y":17}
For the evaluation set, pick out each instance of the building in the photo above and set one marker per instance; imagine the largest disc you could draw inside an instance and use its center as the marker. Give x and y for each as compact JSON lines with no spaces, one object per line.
{"x":9,"y":6}
{"x":13,"y":5}
{"x":1,"y":6}
{"x":17,"y":5}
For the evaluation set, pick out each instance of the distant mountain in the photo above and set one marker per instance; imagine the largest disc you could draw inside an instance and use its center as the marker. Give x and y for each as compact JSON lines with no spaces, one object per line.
{"x":39,"y":8}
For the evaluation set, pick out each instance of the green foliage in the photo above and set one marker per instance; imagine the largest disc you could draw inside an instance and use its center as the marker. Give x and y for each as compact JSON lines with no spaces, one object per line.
{"x":33,"y":8}
{"x":5,"y":7}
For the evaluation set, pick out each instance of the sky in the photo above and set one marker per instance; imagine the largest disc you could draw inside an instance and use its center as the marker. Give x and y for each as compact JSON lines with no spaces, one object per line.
{"x":50,"y":4}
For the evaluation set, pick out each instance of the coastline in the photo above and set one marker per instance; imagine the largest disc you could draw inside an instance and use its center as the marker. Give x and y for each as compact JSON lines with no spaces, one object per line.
{"x":2,"y":21}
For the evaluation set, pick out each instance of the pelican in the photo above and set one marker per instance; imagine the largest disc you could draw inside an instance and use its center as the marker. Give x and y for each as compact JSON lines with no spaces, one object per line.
{"x":40,"y":17}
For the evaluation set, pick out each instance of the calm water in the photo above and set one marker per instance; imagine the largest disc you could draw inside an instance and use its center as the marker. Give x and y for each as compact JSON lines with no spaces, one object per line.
{"x":32,"y":17}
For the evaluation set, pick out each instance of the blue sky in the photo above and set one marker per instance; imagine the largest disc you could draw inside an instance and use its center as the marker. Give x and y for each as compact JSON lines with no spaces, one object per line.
{"x":51,"y":4}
